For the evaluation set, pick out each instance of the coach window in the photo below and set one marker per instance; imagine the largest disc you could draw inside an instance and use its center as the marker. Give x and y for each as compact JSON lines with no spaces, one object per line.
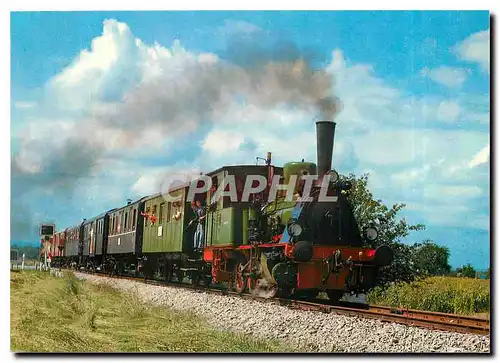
{"x":147,"y":216}
{"x":134,"y":220}
{"x":119,"y":223}
{"x":125,"y":224}
{"x":215,"y":186}
{"x":161,"y":213}
{"x":169,"y":212}
{"x":154,"y":214}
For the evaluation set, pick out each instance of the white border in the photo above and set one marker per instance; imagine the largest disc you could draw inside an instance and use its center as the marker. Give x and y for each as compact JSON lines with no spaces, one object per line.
{"x":31,"y":5}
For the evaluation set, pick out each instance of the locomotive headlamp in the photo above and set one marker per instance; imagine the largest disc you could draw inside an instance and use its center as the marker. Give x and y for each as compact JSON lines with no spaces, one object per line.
{"x":294,"y":230}
{"x":371,"y":233}
{"x":334,"y":176}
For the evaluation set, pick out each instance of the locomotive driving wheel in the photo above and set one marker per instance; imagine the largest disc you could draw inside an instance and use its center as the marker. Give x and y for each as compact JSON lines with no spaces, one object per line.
{"x":167,"y":272}
{"x":195,"y":278}
{"x":240,"y":282}
{"x":237,"y":267}
{"x":263,"y":289}
{"x":252,"y":285}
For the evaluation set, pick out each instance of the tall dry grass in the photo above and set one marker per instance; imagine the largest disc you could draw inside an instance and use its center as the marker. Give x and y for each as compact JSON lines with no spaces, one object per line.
{"x":454,"y":295}
{"x":50,"y":314}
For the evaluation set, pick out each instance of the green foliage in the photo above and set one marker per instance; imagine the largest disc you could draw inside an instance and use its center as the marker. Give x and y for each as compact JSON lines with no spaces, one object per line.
{"x":466,"y":271}
{"x":442,"y":294}
{"x":431,"y":259}
{"x":421,"y":259}
{"x":29,"y":251}
{"x":367,"y":209}
{"x":50,"y":314}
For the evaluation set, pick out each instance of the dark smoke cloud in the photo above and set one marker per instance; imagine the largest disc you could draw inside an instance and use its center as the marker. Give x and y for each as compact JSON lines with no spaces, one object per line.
{"x":265,"y":76}
{"x":199,"y":90}
{"x":22,"y":225}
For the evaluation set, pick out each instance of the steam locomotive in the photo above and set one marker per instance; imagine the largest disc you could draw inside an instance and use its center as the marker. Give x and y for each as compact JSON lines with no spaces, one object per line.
{"x":258,"y":239}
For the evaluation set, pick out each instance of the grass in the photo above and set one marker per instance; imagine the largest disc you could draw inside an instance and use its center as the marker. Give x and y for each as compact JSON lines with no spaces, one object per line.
{"x":454,"y":295}
{"x":50,"y":314}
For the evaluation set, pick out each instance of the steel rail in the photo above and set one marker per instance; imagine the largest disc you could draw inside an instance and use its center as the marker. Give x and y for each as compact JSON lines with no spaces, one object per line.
{"x":423,"y":319}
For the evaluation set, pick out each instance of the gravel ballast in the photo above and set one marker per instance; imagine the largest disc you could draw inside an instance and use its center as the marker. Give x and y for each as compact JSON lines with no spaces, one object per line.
{"x":301,"y":330}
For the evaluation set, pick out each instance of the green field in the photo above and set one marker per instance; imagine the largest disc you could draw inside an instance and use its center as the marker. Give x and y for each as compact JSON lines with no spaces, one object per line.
{"x":50,"y":314}
{"x":454,"y":295}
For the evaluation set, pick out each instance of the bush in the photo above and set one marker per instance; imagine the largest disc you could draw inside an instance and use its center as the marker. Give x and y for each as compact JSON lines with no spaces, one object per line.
{"x":442,"y":294}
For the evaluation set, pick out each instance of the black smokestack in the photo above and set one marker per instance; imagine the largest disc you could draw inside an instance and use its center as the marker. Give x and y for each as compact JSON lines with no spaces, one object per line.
{"x":325,"y":133}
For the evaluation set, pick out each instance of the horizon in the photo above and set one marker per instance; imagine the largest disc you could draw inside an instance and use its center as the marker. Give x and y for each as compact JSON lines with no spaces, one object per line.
{"x":35,"y":244}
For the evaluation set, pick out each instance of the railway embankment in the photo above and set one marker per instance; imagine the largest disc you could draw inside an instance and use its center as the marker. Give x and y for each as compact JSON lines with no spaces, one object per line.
{"x":51,"y":313}
{"x":310,"y":331}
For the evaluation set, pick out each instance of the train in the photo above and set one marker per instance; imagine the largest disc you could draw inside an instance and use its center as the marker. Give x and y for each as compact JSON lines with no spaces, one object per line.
{"x":284,"y":231}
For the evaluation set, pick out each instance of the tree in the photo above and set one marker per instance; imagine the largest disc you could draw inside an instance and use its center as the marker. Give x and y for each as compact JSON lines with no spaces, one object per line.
{"x":30,"y":252}
{"x":431,"y":259}
{"x":391,"y":229}
{"x":488,"y":273}
{"x":466,"y":271}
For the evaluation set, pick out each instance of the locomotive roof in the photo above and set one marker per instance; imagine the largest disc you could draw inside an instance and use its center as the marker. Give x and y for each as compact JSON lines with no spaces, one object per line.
{"x":127,"y":205}
{"x":87,"y":221}
{"x":225,"y":167}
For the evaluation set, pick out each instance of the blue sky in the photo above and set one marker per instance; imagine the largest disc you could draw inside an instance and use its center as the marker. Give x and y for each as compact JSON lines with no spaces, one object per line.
{"x":414,"y":88}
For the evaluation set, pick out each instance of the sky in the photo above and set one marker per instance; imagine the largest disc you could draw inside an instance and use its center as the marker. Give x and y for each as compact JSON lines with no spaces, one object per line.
{"x":106,"y":105}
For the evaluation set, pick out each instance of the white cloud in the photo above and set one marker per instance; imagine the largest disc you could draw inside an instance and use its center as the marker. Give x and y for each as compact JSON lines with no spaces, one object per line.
{"x":476,"y":48}
{"x":387,"y":147}
{"x":86,"y":78}
{"x":482,"y":118}
{"x":481,"y":157}
{"x":240,"y":27}
{"x":221,"y":142}
{"x":394,"y":135}
{"x":440,"y":192}
{"x":448,"y":111}
{"x":447,"y":76}
{"x":22,"y":105}
{"x":161,"y":179}
{"x":416,"y":174}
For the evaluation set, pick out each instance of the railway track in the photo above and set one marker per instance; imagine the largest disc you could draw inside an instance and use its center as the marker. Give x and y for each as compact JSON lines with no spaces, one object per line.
{"x":418,"y":318}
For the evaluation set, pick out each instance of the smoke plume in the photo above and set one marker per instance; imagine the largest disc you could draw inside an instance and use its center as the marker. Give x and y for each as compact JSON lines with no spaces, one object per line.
{"x":184,"y":93}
